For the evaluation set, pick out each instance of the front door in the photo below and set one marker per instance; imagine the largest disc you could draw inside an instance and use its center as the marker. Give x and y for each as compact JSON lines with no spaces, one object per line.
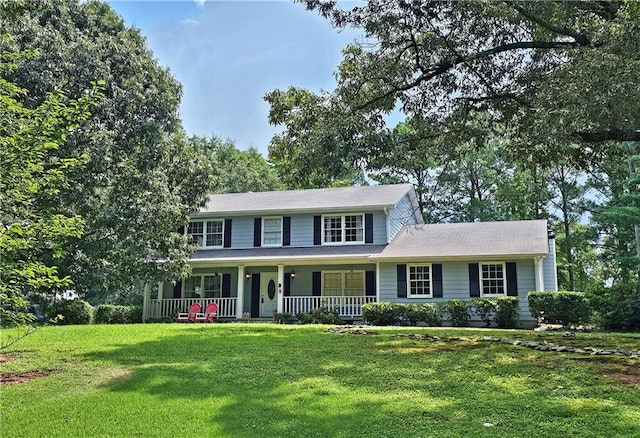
{"x":268,"y":294}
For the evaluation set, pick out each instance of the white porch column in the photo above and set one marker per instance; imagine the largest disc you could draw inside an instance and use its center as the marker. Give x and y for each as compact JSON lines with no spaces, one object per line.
{"x":537,"y":264}
{"x":280,"y":287}
{"x":240,"y":300}
{"x":377,"y":281}
{"x":145,"y":302}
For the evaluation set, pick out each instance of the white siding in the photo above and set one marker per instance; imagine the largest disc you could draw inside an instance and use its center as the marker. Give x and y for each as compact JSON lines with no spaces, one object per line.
{"x":242,"y":232}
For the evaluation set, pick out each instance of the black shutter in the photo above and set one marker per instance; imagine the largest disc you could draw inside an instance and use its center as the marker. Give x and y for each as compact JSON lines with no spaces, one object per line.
{"x":316,"y":286}
{"x":370,"y":283}
{"x":287,"y":285}
{"x":255,"y":295}
{"x":402,"y":281}
{"x":436,"y":273}
{"x":512,"y":280}
{"x":180,"y":230}
{"x":257,"y":231}
{"x":317,"y":230}
{"x":226,"y":285}
{"x":368,"y":228}
{"x":227,"y":233}
{"x":474,"y":280}
{"x":177,"y":289}
{"x":286,"y":231}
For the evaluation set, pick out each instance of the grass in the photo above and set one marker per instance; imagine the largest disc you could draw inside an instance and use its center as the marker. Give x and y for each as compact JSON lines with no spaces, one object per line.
{"x":261,"y":380}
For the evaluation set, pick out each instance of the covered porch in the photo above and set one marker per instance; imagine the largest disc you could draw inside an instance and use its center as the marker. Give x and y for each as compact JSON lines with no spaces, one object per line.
{"x":260,"y":291}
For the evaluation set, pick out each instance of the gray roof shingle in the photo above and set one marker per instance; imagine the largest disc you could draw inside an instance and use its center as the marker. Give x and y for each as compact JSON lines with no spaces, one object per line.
{"x":477,"y":239}
{"x":331,"y":199}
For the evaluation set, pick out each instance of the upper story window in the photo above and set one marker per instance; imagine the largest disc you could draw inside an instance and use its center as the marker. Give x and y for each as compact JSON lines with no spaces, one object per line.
{"x":493,"y":281}
{"x":207,"y":233}
{"x":420,"y":284}
{"x":272,"y":231}
{"x":343,"y":228}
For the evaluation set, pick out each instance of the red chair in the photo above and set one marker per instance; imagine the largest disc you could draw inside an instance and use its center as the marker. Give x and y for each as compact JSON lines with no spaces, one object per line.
{"x":210,"y":312}
{"x":192,"y":315}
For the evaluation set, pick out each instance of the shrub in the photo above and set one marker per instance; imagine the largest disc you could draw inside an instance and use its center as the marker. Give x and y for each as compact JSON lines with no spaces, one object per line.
{"x":74,"y":311}
{"x":617,"y":307}
{"x":457,"y":312}
{"x":429,"y":314}
{"x":321,"y":315}
{"x":562,"y":307}
{"x":304,"y":317}
{"x":284,"y":318}
{"x":507,"y":311}
{"x":111,"y":314}
{"x":485,"y":308}
{"x":381,"y":313}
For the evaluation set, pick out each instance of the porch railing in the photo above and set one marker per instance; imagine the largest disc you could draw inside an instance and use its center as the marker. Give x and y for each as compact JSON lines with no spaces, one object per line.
{"x":168,"y":308}
{"x":348,"y":306}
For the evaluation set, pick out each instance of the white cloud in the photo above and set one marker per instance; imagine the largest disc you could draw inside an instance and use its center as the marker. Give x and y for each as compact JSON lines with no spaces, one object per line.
{"x":200,"y":2}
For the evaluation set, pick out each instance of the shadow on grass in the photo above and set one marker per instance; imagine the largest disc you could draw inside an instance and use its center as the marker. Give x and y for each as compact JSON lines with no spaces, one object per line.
{"x":266,"y":382}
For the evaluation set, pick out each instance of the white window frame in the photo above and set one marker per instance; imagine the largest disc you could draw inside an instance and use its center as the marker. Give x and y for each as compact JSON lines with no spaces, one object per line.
{"x":343,"y":232}
{"x":419,"y":265}
{"x":504,"y":279}
{"x":281,"y":230}
{"x":204,"y":231}
{"x":364,"y":282}
{"x":202,"y":277}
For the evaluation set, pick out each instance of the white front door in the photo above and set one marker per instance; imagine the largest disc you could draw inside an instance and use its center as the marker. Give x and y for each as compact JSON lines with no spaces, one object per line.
{"x":268,"y":294}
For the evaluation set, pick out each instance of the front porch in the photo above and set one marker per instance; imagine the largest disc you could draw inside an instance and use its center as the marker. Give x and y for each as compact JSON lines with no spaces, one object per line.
{"x":349,"y":307}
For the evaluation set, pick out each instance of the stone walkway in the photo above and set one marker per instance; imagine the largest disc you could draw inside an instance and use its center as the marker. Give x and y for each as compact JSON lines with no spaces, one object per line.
{"x":540,"y":346}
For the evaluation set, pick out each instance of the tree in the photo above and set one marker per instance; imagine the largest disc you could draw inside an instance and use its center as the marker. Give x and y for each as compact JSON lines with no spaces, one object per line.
{"x":547,"y":66}
{"x":619,"y":216}
{"x":141,"y":178}
{"x":236,"y":171}
{"x":305,"y":154}
{"x":33,"y":235}
{"x":571,"y":204}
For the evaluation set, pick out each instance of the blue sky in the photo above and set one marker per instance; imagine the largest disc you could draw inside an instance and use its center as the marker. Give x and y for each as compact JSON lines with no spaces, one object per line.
{"x":228,"y":54}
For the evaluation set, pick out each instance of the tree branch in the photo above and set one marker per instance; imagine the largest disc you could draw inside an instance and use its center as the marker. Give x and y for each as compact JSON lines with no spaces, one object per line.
{"x":578,"y":37}
{"x":448,"y":65}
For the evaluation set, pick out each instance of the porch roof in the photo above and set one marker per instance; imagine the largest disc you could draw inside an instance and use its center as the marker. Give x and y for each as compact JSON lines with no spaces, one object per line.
{"x":460,"y":240}
{"x":287,"y":253}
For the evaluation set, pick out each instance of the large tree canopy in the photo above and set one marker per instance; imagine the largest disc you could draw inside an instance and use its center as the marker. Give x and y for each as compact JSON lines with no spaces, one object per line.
{"x":566,"y":72}
{"x":140,"y":178}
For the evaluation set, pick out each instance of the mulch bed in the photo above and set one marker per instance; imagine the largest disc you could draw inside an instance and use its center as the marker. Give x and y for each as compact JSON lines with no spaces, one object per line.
{"x":11,"y":378}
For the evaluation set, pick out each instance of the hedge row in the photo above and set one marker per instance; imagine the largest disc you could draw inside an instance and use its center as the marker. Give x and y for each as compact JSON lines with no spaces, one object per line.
{"x":504,"y":311}
{"x":110,"y":314}
{"x":77,"y":311}
{"x":566,"y":308}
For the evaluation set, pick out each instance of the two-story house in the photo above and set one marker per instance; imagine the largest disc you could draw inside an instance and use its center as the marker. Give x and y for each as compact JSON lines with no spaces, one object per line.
{"x":292,"y":251}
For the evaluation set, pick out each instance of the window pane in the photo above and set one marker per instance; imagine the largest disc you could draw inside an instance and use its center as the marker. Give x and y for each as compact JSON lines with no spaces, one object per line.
{"x":493,"y":279}
{"x":332,"y":283}
{"x":353,"y":229}
{"x":212,"y":286}
{"x":419,"y":280}
{"x":192,"y":287}
{"x":196,"y":231}
{"x":354,"y":283}
{"x":272,"y":231}
{"x":214,"y":233}
{"x":333,"y":229}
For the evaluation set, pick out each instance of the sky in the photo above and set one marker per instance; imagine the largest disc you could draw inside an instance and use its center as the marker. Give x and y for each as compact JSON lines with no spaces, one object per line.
{"x":229,"y":54}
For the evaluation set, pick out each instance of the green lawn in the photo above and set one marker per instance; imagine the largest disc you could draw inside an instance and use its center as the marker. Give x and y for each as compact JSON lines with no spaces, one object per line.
{"x":260,"y":380}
